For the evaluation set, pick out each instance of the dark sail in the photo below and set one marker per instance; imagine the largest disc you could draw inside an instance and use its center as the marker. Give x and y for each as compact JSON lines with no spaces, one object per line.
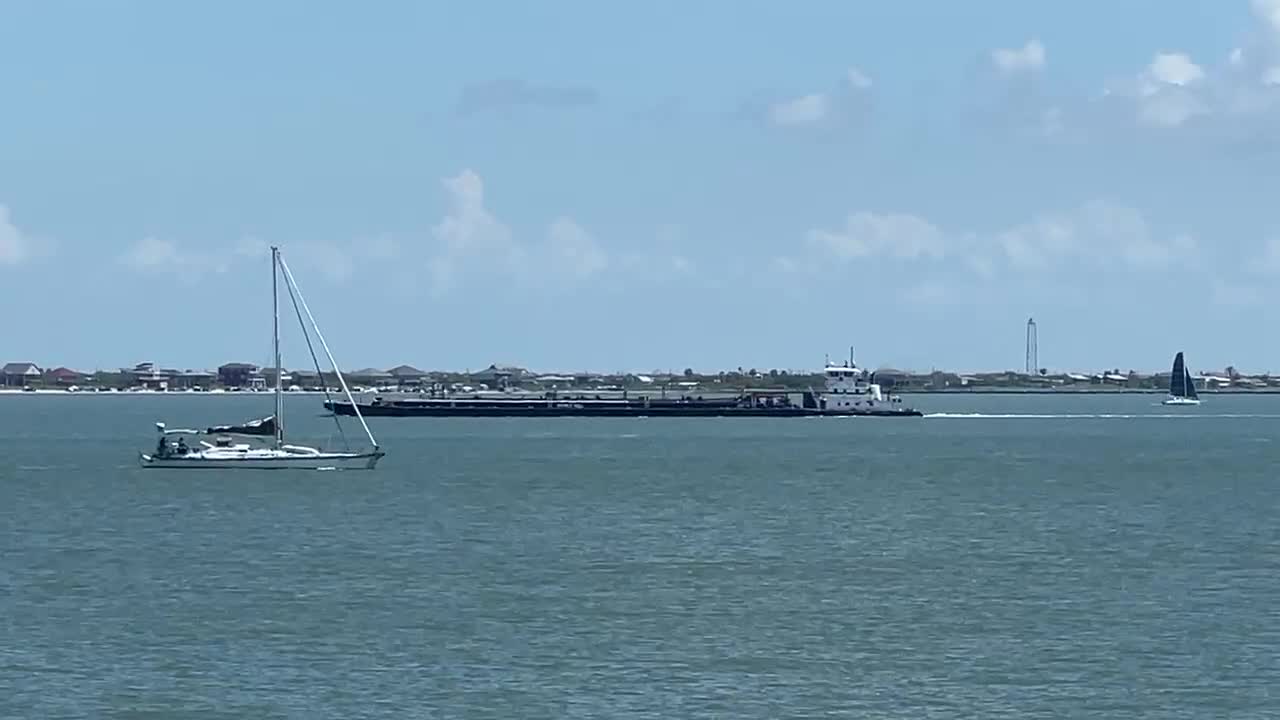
{"x":1179,"y":379}
{"x":265,"y":426}
{"x":1190,"y":385}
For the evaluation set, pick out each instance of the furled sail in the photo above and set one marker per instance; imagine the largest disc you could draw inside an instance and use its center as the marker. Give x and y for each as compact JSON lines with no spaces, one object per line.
{"x":265,"y":426}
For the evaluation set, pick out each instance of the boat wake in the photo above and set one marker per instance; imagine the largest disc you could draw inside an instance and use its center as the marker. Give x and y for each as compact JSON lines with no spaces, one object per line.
{"x":1099,"y":416}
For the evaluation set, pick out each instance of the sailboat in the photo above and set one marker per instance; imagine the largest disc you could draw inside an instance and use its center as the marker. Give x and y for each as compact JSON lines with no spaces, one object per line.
{"x":1182,"y":389}
{"x":226,"y":453}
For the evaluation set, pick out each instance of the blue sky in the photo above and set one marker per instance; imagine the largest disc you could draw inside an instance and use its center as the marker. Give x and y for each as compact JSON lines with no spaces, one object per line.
{"x":585,"y":185}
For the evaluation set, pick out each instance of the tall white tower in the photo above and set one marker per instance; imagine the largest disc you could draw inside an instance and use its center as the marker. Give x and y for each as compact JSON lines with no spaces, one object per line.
{"x":1033,"y":351}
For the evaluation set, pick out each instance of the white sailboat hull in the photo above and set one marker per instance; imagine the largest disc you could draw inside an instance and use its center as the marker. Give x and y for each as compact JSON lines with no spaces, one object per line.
{"x":1181,"y":401}
{"x":263,"y":459}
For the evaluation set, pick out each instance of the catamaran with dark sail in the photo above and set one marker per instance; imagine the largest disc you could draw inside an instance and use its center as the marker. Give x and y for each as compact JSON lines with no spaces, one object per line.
{"x":227,"y":453}
{"x":1182,"y":389}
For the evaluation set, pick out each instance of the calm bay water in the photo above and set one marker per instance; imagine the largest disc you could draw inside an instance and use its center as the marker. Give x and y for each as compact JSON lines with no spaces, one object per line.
{"x":1028,"y":565}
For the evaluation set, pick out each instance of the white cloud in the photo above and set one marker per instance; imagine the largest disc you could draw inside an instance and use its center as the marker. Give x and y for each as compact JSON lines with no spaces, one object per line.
{"x":152,"y":253}
{"x":841,"y":104}
{"x":1037,"y":243}
{"x":331,"y":260}
{"x":807,"y":110}
{"x":469,"y":225}
{"x":1100,"y":235}
{"x":335,"y":261}
{"x":1166,"y":99}
{"x":895,"y":235}
{"x":1174,"y":69}
{"x":574,"y":249}
{"x":1028,"y":58}
{"x":468,"y":231}
{"x":1173,"y":90}
{"x":1169,"y":109}
{"x":339,"y":262}
{"x":1267,"y":260}
{"x":15,"y":247}
{"x":1269,"y":12}
{"x":1168,"y":93}
{"x":163,"y":256}
{"x":472,"y":240}
{"x":858,"y":79}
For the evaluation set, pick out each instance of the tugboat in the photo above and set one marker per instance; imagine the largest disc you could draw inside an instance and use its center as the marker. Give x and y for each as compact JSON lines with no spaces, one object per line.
{"x":851,"y":390}
{"x":848,"y":390}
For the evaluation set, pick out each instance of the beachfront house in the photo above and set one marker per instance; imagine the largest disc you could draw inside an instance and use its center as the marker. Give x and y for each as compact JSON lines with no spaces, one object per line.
{"x":64,"y":377}
{"x":21,"y":374}
{"x":269,"y":377}
{"x":190,"y":379}
{"x":147,"y":376}
{"x":370,"y":377}
{"x":238,"y":375}
{"x":408,"y":376}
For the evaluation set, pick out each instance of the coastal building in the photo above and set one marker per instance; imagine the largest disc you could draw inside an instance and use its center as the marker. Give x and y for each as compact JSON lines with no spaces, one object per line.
{"x":21,"y":374}
{"x":370,"y":377}
{"x":239,"y":375}
{"x":191,"y":379}
{"x":147,"y":376}
{"x":498,"y":376}
{"x":269,"y":377}
{"x":310,"y":379}
{"x":409,"y":376}
{"x":893,"y":378}
{"x":64,"y":377}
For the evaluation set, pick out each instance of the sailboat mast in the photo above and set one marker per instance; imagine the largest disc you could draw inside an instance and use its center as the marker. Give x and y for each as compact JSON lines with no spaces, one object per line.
{"x":288,"y":276}
{"x":275,"y":337}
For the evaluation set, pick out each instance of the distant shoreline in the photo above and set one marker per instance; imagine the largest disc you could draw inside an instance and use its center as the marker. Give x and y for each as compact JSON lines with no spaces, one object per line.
{"x":1089,"y":391}
{"x":153,"y":393}
{"x":45,"y":392}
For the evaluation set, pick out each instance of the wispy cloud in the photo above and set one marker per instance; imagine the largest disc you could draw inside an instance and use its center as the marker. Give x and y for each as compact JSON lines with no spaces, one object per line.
{"x":190,"y":262}
{"x":574,"y":249}
{"x":510,"y":93}
{"x":1235,"y":295}
{"x":1097,"y":234}
{"x":840,"y":104}
{"x":1028,"y":58}
{"x":1175,"y":91}
{"x":895,"y":235}
{"x":467,"y":232}
{"x":472,"y":246}
{"x":15,"y":246}
{"x":805,"y":110}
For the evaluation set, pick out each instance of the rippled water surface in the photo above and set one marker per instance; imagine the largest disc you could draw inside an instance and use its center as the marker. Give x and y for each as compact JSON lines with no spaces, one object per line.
{"x":1008,"y":557}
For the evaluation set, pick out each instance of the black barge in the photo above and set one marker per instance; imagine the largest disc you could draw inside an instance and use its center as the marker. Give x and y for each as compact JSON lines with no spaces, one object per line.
{"x":747,"y":405}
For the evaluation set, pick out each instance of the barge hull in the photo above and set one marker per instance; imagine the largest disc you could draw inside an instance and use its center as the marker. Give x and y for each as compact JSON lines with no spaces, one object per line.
{"x":529,"y":410}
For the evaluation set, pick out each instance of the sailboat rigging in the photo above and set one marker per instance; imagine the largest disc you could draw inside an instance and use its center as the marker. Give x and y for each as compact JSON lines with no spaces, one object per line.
{"x":223,"y":453}
{"x":1182,"y":389}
